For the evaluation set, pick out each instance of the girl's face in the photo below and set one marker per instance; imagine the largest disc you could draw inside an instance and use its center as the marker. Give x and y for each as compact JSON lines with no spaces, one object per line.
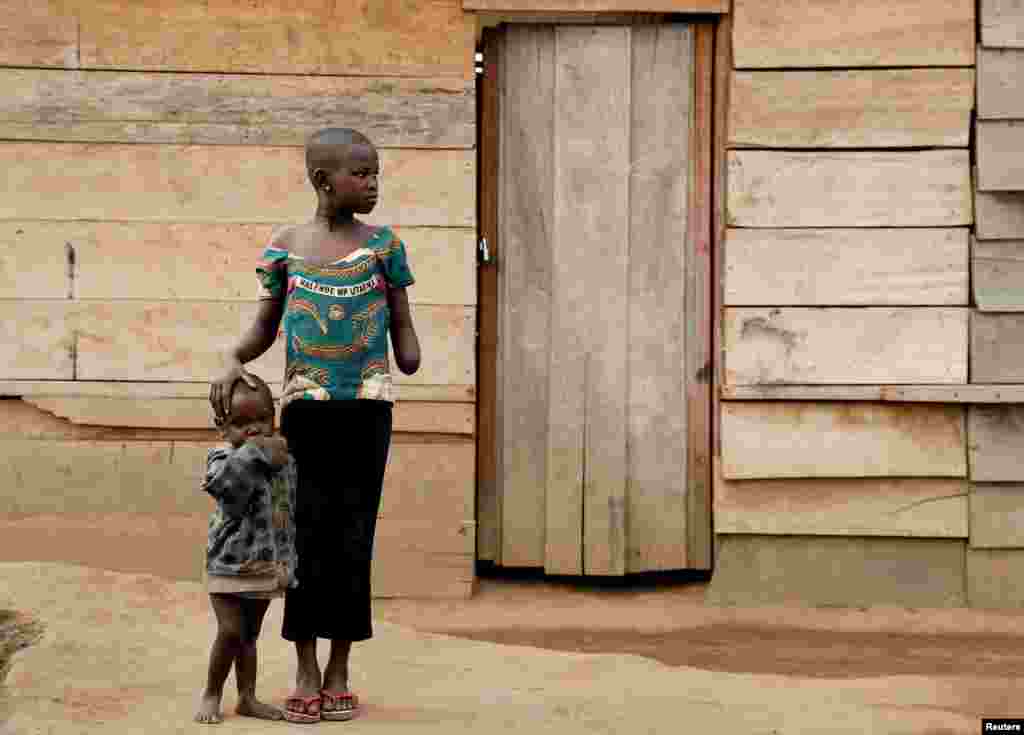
{"x":354,"y":182}
{"x":251,"y":416}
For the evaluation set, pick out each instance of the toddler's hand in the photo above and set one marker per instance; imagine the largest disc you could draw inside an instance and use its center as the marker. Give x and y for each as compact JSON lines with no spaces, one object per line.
{"x":275,"y":447}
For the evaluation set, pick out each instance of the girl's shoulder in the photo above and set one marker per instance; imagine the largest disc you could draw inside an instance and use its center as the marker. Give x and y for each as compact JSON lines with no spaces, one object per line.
{"x":382,"y":240}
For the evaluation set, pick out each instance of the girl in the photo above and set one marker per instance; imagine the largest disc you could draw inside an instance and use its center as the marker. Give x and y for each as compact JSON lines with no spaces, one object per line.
{"x":250,"y":550}
{"x":339,"y":285}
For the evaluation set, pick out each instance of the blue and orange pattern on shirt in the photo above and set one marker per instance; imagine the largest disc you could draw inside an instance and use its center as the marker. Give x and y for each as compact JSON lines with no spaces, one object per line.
{"x":336,"y":319}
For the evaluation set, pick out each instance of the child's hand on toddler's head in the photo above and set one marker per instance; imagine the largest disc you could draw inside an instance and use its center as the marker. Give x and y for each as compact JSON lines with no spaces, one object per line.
{"x":275,"y":447}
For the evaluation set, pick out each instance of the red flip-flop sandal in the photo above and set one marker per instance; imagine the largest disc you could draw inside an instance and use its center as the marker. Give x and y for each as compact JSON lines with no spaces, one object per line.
{"x":307,"y":712}
{"x":338,"y":707}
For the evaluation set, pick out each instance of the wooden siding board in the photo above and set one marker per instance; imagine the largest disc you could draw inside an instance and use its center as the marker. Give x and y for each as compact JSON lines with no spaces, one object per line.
{"x":39,"y":340}
{"x":784,"y":440}
{"x":997,"y":277}
{"x":129,"y":260}
{"x":842,"y":345}
{"x":846,"y":267}
{"x":849,"y":189}
{"x":890,"y":108}
{"x":996,"y":442}
{"x":997,"y":347}
{"x":1000,"y":155}
{"x":1000,"y":84}
{"x":1002,"y":23}
{"x":1000,"y":214}
{"x":838,"y":571}
{"x":993,"y":578}
{"x":232,"y":109}
{"x":38,"y":33}
{"x":971,"y":393}
{"x":33,"y":267}
{"x":997,"y":516}
{"x":656,"y":514}
{"x":867,"y":33}
{"x":434,"y":37}
{"x":526,"y":272}
{"x":215,"y":184}
{"x":926,"y":508}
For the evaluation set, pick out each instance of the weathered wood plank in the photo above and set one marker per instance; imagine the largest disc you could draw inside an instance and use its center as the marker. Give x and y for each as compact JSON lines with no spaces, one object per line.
{"x":838,"y":571}
{"x":890,"y":108}
{"x":598,"y":6}
{"x":236,"y":109}
{"x":424,"y":38}
{"x":998,"y":274}
{"x":125,"y":390}
{"x":869,"y":345}
{"x":195,"y":413}
{"x":38,"y":339}
{"x":997,"y":516}
{"x":528,"y":84}
{"x":1002,"y":23}
{"x":861,"y":189}
{"x":1000,"y":84}
{"x":997,"y":347}
{"x":215,"y":184}
{"x":833,"y":33}
{"x":410,"y":558}
{"x":993,"y":578}
{"x":130,"y":340}
{"x":656,"y":510}
{"x":780,"y":440}
{"x":846,"y":267}
{"x":996,"y":442}
{"x":843,"y":507}
{"x":883,"y":393}
{"x":592,"y":118}
{"x":34,"y":268}
{"x":488,"y":532}
{"x":38,"y":33}
{"x":999,"y":155}
{"x":999,"y":214}
{"x":700,"y":307}
{"x":134,"y":260}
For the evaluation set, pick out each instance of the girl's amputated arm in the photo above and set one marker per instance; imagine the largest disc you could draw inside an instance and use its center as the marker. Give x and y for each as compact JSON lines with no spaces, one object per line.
{"x":403,"y":333}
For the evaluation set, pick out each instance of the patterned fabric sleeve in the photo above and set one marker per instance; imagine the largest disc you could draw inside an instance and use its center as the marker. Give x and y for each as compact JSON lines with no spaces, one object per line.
{"x":272,"y":272}
{"x":231,"y":476}
{"x":396,"y":265}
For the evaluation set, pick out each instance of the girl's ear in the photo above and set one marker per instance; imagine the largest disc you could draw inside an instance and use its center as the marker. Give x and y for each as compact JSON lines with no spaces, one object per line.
{"x":319,"y":178}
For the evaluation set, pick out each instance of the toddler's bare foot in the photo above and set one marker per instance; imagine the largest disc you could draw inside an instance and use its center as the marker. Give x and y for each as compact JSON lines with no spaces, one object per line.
{"x":209,"y":710}
{"x":252,"y":707}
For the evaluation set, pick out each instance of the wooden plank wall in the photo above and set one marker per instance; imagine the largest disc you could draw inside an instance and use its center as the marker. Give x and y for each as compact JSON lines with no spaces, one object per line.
{"x":848,"y":207}
{"x":996,"y":549}
{"x":149,"y":153}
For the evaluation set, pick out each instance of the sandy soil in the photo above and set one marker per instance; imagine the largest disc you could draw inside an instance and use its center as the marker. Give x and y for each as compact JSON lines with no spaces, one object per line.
{"x":125,"y":653}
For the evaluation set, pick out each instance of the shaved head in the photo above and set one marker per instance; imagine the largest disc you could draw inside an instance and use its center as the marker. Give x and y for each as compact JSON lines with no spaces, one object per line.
{"x":329,"y":148}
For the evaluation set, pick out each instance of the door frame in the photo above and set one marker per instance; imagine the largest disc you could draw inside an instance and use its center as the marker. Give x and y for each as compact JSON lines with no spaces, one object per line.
{"x":705,"y":228}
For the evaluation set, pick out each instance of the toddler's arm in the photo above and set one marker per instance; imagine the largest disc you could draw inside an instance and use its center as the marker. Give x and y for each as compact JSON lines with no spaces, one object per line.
{"x":232,"y":475}
{"x":403,"y":333}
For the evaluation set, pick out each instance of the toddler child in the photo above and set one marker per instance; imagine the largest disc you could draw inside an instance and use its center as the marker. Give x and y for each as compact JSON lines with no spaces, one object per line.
{"x":250,"y":551}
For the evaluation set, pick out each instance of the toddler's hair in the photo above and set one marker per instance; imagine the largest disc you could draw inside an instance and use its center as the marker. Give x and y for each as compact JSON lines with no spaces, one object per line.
{"x":261,"y":387}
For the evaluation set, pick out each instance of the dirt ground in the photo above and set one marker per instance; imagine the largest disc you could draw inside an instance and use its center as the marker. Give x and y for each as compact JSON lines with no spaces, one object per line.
{"x":116,"y":648}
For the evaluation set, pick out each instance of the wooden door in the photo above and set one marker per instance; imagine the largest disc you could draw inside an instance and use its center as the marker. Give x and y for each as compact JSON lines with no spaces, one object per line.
{"x":595,"y":317}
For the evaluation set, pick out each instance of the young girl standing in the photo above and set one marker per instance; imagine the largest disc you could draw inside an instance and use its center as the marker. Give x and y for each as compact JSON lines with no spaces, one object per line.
{"x":339,"y":286}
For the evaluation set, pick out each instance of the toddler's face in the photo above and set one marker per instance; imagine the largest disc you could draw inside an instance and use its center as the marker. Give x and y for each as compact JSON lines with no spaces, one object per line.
{"x":251,"y":415}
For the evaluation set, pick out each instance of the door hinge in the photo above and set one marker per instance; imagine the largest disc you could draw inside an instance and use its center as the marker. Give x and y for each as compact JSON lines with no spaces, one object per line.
{"x":483,"y":254}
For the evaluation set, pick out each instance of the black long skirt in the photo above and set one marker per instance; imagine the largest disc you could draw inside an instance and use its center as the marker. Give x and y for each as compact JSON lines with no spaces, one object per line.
{"x":340,"y":450}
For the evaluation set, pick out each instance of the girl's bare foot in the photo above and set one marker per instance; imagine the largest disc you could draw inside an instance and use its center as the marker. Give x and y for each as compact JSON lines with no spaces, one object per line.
{"x":252,"y":707}
{"x":209,"y":710}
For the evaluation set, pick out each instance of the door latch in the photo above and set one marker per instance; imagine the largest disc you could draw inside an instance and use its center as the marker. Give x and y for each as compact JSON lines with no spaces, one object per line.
{"x":485,"y":254}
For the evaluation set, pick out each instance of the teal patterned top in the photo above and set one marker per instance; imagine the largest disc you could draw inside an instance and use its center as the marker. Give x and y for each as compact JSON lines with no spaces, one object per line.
{"x":336,"y":319}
